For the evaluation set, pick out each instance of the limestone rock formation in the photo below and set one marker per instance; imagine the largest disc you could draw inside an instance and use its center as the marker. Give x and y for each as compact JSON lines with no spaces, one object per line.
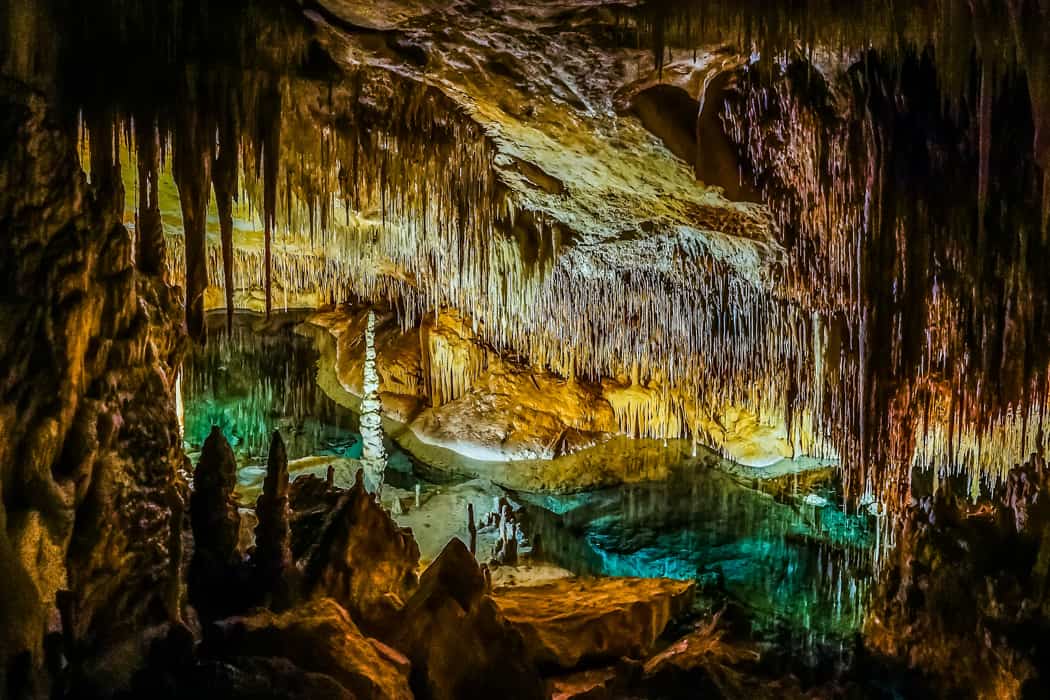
{"x":572,"y":621}
{"x":373,"y":453}
{"x":272,"y":558}
{"x":460,"y":644}
{"x":362,"y":559}
{"x":966,"y":583}
{"x":89,"y":444}
{"x":317,"y":637}
{"x":216,"y":569}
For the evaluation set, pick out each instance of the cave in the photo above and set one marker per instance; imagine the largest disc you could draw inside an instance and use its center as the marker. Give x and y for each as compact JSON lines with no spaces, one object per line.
{"x":560,"y":349}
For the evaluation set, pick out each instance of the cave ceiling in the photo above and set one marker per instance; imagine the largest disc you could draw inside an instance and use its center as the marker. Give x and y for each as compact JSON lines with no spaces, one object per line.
{"x":831,"y":213}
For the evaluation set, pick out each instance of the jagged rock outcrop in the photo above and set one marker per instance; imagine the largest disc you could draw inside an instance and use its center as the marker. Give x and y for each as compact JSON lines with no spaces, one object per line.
{"x":460,"y":644}
{"x":362,"y":559}
{"x":317,"y":637}
{"x":272,"y":558}
{"x":572,"y":621}
{"x":216,"y":570}
{"x":963,"y":599}
{"x":89,"y":445}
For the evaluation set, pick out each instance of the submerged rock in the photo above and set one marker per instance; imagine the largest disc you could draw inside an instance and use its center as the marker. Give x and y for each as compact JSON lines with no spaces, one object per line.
{"x":362,"y":559}
{"x":460,"y":644}
{"x":570,"y":621}
{"x":319,"y":638}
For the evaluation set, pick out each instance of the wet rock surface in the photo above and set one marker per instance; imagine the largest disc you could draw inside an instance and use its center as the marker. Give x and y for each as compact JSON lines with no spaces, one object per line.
{"x":571,"y":621}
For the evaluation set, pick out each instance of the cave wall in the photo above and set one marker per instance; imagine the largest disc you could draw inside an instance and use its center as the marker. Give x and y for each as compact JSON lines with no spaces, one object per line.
{"x":90,"y":514}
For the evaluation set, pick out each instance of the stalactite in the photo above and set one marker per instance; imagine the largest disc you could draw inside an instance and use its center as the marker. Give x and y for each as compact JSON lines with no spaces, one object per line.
{"x":270,"y":150}
{"x":149,"y":227}
{"x":224,"y":181}
{"x":191,"y":165}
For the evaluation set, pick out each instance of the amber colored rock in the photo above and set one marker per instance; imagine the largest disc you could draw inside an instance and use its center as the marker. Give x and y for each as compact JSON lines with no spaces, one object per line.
{"x":362,"y":559}
{"x":570,"y":621}
{"x":318,"y":637}
{"x":214,"y":568}
{"x":460,"y":644}
{"x":592,"y":684}
{"x":89,"y":442}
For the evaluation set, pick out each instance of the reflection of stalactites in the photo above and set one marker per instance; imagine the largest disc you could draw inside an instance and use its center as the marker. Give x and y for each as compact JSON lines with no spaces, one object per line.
{"x":224,"y":180}
{"x":191,"y":165}
{"x":149,"y":227}
{"x":270,"y":138}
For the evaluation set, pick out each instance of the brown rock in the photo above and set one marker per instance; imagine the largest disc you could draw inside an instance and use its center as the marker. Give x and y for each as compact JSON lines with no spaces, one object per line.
{"x":363,"y":560}
{"x":255,"y":678}
{"x":459,"y":643}
{"x":593,"y":684}
{"x":569,"y":621}
{"x":273,"y":551}
{"x":318,"y":637}
{"x":89,"y":443}
{"x":214,"y":568}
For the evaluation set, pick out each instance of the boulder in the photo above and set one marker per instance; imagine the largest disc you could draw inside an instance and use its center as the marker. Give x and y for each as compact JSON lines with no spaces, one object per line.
{"x":318,"y":637}
{"x":569,"y":621}
{"x":363,"y":560}
{"x":459,"y":643}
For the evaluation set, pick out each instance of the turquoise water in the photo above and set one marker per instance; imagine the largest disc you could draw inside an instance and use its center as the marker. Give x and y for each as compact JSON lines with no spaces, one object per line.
{"x":799,"y":565}
{"x":795,"y":562}
{"x":260,"y":379}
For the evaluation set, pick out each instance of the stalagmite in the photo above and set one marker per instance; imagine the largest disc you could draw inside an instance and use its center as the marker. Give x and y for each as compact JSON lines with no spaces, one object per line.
{"x":472,"y":528}
{"x":214,"y":573}
{"x":373,"y":452}
{"x":272,"y":558}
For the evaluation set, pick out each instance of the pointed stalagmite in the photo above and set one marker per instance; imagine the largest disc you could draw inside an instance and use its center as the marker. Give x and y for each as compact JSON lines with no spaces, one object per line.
{"x":214,"y":569}
{"x":273,"y":551}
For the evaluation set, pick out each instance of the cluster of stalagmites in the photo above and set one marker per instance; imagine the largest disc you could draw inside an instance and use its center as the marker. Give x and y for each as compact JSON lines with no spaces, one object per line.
{"x":327,"y":602}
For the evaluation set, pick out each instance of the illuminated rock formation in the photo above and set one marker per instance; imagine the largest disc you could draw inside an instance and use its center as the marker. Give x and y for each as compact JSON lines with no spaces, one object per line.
{"x":373,"y":453}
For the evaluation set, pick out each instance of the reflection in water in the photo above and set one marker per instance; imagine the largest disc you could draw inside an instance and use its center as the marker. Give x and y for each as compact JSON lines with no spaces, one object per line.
{"x":796,"y":561}
{"x":251,"y":383}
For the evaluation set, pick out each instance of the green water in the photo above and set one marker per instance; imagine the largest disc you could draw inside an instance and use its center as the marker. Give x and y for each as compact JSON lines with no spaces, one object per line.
{"x":800,"y":566}
{"x":259,"y":379}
